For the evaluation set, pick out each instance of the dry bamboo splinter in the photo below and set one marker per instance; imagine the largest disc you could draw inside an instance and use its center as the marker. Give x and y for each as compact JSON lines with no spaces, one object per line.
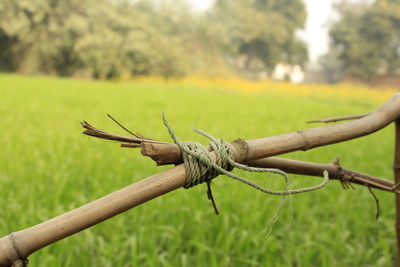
{"x":23,"y":243}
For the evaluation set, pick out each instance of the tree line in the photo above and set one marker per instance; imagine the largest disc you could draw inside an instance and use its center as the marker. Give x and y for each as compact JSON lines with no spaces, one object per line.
{"x":110,"y":38}
{"x":113,"y":38}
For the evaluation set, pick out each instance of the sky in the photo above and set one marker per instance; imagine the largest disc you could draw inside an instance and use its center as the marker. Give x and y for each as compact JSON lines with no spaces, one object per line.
{"x":316,"y":31}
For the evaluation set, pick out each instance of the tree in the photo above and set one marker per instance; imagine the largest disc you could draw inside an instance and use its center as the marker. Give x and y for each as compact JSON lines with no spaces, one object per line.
{"x":264,"y":31}
{"x":367,"y":38}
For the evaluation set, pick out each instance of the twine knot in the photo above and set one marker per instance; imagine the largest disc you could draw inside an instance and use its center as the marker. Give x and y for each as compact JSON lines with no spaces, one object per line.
{"x":201,"y":168}
{"x":198,"y":169}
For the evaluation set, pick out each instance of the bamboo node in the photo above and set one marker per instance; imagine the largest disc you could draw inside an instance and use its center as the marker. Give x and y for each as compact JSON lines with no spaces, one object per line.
{"x":22,"y":261}
{"x":307,"y":144}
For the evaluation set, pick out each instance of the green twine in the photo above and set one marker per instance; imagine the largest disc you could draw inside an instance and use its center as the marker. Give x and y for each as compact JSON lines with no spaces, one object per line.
{"x":201,"y":168}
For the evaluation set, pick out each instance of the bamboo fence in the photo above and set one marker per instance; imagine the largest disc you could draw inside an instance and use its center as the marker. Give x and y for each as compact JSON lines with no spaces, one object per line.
{"x":19,"y":245}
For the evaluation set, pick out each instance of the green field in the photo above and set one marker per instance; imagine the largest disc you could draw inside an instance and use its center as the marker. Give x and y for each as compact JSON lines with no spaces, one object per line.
{"x":48,"y":167}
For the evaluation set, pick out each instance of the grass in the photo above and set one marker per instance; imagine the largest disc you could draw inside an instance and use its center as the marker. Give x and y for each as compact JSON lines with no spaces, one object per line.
{"x":48,"y":167}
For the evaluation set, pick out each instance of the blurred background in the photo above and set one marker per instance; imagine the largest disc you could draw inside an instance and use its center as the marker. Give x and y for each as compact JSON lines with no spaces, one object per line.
{"x":242,"y":68}
{"x":295,"y":40}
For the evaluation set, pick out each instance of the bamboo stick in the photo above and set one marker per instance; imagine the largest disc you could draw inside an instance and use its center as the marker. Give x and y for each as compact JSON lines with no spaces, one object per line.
{"x":316,"y":169}
{"x":326,"y":135}
{"x":396,"y":170}
{"x":23,"y":243}
{"x":163,"y":153}
{"x":343,"y":118}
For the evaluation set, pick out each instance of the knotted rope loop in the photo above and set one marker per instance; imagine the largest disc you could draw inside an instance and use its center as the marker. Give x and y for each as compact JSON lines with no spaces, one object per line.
{"x":196,"y":157}
{"x":201,"y":168}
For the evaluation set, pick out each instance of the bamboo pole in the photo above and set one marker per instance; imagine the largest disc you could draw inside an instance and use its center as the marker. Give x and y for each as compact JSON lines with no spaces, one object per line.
{"x":21,"y":244}
{"x":325,"y":135}
{"x":396,"y":170}
{"x":334,"y":169}
{"x":164,"y":153}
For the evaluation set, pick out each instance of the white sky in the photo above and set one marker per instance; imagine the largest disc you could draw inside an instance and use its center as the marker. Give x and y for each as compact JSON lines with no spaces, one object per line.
{"x":316,"y":32}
